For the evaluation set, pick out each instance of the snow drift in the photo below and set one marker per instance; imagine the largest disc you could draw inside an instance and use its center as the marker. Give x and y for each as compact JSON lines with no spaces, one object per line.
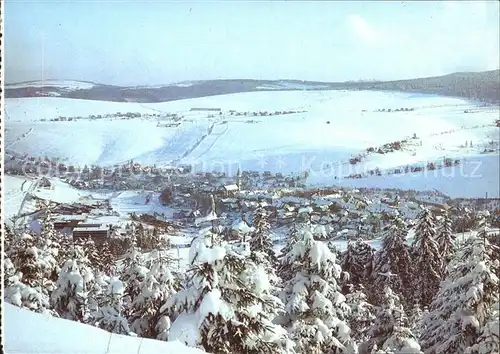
{"x":27,"y":332}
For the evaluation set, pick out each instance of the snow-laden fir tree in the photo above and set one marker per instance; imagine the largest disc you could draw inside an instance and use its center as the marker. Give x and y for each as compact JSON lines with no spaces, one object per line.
{"x":261,"y":259}
{"x":461,"y":311}
{"x":38,"y":264}
{"x":393,"y":258}
{"x":31,"y":269}
{"x":8,"y":236}
{"x":19,"y":294}
{"x":358,"y":262}
{"x":426,"y":225}
{"x":35,"y":258}
{"x":246,"y":286}
{"x":294,"y":235}
{"x":185,"y":307}
{"x":70,"y":297}
{"x":316,"y":311}
{"x":390,"y":332}
{"x":389,"y":314}
{"x":97,"y":293}
{"x":428,"y":262}
{"x":416,"y":315}
{"x":226,"y":306}
{"x":110,"y":314}
{"x":99,"y":255}
{"x":362,"y":317}
{"x":133,"y":273}
{"x":402,"y":340}
{"x":159,"y":284}
{"x":489,"y":341}
{"x":107,"y":259}
{"x":445,"y":241}
{"x":260,"y":239}
{"x":262,"y":251}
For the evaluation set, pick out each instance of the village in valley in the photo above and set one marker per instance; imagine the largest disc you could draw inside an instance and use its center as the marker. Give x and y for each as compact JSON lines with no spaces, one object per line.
{"x":120,"y":240}
{"x":119,"y":230}
{"x":251,"y":177}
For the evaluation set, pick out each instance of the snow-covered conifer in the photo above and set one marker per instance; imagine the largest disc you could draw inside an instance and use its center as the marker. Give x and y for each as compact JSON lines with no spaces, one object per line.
{"x":157,"y":287}
{"x":489,"y":341}
{"x":445,"y":241}
{"x":292,"y":237}
{"x":428,"y":262}
{"x":459,"y":314}
{"x":226,"y":305}
{"x":392,"y":258}
{"x":426,"y":225}
{"x":69,"y":299}
{"x":362,"y":314}
{"x":99,"y":256}
{"x":390,"y":331}
{"x":20,"y":294}
{"x":185,"y":305}
{"x":402,"y":340}
{"x":260,"y":239}
{"x":110,"y":314}
{"x":416,"y":315}
{"x":107,"y":259}
{"x":133,"y":274}
{"x":35,"y":258}
{"x":358,"y":261}
{"x":315,"y":309}
{"x":247,"y":288}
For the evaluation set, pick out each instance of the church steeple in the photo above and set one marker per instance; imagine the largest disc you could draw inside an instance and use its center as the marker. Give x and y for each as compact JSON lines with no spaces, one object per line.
{"x":238,"y":179}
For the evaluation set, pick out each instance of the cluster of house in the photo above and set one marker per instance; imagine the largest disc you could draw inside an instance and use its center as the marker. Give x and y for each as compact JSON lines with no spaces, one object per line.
{"x":346,"y":214}
{"x":403,"y":109}
{"x":121,"y":115}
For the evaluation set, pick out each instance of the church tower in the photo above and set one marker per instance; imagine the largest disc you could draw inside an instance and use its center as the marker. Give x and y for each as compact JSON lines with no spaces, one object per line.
{"x":238,"y":179}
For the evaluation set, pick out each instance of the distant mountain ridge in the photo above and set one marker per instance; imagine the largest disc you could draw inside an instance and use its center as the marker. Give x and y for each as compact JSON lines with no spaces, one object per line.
{"x":483,"y":86}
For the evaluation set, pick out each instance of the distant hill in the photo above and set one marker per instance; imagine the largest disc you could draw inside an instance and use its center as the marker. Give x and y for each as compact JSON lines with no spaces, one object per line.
{"x":482,"y":86}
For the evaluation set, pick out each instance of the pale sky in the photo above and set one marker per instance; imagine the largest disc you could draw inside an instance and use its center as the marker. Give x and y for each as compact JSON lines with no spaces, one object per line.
{"x":158,"y":42}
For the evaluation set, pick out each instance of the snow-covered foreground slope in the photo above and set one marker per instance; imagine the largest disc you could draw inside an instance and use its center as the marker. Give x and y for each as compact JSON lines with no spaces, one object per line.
{"x":329,"y":128}
{"x":26,"y":332}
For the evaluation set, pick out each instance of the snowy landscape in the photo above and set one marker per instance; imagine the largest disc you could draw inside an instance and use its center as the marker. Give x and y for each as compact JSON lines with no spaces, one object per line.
{"x":244,"y":132}
{"x":251,"y":178}
{"x":201,"y":223}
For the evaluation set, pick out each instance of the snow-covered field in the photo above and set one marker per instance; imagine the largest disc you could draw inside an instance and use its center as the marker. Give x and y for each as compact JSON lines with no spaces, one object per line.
{"x":27,"y":332}
{"x":476,"y":177}
{"x":337,"y":125}
{"x":135,"y":201}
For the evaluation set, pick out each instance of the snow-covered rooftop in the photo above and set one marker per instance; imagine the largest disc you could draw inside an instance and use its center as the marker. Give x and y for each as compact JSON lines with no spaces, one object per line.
{"x":62,"y":218}
{"x":231,"y":187}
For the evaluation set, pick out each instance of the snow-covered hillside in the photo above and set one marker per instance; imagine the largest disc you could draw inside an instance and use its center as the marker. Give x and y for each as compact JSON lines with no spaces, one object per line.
{"x":69,"y":85}
{"x":27,"y":332}
{"x":329,"y":128}
{"x":14,"y":192}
